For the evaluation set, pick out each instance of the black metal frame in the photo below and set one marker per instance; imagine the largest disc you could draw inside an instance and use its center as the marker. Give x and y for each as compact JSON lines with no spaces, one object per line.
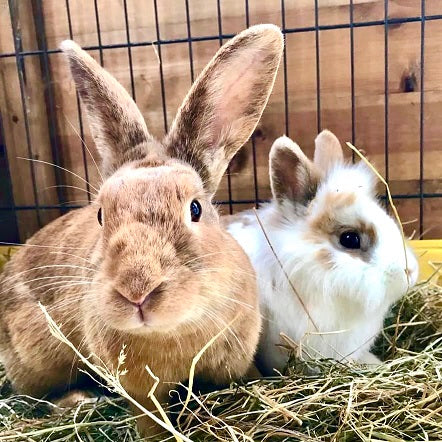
{"x":43,"y":52}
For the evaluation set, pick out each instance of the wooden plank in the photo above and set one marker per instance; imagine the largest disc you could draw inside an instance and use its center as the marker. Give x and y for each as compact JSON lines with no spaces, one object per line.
{"x":14,"y":123}
{"x":13,"y":133}
{"x":335,"y":84}
{"x":13,"y":126}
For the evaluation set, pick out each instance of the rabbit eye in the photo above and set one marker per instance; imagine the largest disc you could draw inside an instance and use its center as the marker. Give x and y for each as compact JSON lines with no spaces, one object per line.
{"x":195,"y":211}
{"x":350,"y":240}
{"x":100,"y":221}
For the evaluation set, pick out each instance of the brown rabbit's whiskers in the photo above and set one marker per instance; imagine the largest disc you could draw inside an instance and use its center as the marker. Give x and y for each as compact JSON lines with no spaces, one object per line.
{"x":201,"y":257}
{"x":5,"y":243}
{"x":57,"y":285}
{"x":23,"y":284}
{"x":84,"y":145}
{"x":221,"y":324}
{"x":76,"y":256}
{"x":33,"y":269}
{"x":68,"y":187}
{"x":62,"y":168}
{"x":80,"y":202}
{"x":235,"y":301}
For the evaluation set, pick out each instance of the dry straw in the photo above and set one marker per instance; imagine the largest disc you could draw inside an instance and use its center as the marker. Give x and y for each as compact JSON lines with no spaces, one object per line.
{"x":312,"y":401}
{"x":398,"y":401}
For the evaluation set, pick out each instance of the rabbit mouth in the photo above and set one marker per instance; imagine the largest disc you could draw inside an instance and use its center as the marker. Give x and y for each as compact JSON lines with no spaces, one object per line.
{"x":141,"y":314}
{"x":143,"y":318}
{"x":136,"y":320}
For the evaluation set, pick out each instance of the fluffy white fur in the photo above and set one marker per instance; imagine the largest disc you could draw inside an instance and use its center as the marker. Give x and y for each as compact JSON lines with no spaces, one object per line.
{"x":346,"y":297}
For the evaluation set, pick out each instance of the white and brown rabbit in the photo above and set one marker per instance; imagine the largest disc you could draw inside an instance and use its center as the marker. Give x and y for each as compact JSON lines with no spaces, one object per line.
{"x":343,"y":254}
{"x":156,"y":271}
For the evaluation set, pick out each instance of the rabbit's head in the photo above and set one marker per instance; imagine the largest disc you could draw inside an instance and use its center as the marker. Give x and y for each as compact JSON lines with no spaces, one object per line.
{"x":339,"y":242}
{"x":162,"y":255}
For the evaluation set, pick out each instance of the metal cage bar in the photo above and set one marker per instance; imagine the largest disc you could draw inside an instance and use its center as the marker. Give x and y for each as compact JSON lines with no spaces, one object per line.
{"x":79,"y":112}
{"x":49,"y":99}
{"x":44,"y":53}
{"x":220,"y":39}
{"x":13,"y":11}
{"x":129,"y":50}
{"x":421,"y":124}
{"x":158,"y":43}
{"x":386,"y":92}
{"x":284,"y":66}
{"x":389,"y":21}
{"x":352,"y":78}
{"x":318,"y":69}
{"x":253,"y":138}
{"x":189,"y":37}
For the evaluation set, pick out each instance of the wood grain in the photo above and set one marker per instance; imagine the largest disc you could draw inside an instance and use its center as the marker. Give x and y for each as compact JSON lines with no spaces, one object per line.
{"x":13,"y":118}
{"x":401,"y":130}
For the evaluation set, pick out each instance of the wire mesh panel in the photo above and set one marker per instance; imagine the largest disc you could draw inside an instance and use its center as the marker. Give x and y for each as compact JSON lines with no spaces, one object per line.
{"x":369,"y":71}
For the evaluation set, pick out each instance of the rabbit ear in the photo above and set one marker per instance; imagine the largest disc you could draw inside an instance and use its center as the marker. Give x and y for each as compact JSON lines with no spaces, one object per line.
{"x":328,"y":151}
{"x":293,"y":177}
{"x":225,"y":103}
{"x":116,"y":123}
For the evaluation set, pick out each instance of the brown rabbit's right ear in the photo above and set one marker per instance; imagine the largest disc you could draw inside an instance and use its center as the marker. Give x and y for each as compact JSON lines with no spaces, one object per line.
{"x":293,"y":177}
{"x":328,"y":151}
{"x":117,"y":126}
{"x":225,"y":103}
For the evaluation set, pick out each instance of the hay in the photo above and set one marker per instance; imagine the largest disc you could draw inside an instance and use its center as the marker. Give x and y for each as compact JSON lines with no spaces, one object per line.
{"x":400,"y":400}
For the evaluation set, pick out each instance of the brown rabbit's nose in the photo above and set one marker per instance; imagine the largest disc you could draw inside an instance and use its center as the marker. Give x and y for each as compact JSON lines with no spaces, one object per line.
{"x":139,"y":299}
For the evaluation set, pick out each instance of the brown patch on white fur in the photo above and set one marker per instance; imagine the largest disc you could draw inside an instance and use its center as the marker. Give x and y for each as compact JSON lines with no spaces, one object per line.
{"x":325,"y":257}
{"x":326,"y":225}
{"x":148,"y":277}
{"x":339,"y":200}
{"x":293,"y":177}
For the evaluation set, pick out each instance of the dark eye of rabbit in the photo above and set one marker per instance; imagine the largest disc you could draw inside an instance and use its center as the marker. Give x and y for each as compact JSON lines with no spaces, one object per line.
{"x":350,"y":240}
{"x":195,"y":211}
{"x":100,"y":221}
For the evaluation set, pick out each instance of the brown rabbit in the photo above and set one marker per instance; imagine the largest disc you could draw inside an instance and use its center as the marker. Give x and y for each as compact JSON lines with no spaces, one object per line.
{"x":156,"y":271}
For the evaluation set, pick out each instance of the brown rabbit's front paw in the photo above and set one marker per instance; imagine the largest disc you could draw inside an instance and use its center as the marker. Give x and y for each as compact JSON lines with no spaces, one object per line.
{"x":74,"y":398}
{"x":149,"y":429}
{"x":146,"y":427}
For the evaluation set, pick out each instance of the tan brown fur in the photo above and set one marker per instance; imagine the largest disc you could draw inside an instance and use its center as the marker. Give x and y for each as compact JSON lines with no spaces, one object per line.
{"x":325,"y":224}
{"x":236,"y":94}
{"x":339,"y":200}
{"x":148,"y":278}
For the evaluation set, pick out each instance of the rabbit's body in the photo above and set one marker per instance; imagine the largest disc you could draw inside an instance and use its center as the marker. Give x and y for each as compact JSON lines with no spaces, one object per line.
{"x":342,"y":294}
{"x":53,"y":367}
{"x":26,"y":345}
{"x":283,"y":312}
{"x":147,"y":265}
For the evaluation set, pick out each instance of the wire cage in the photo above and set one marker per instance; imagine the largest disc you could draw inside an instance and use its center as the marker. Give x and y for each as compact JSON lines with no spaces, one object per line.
{"x":369,"y":70}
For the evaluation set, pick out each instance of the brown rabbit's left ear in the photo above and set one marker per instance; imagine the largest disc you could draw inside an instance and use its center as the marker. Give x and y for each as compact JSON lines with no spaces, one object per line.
{"x":225,"y":103}
{"x":328,"y":151}
{"x":293,"y":177}
{"x":117,"y":126}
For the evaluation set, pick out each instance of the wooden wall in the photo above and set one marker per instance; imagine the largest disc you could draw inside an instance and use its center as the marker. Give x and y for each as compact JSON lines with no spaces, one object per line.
{"x":46,"y":84}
